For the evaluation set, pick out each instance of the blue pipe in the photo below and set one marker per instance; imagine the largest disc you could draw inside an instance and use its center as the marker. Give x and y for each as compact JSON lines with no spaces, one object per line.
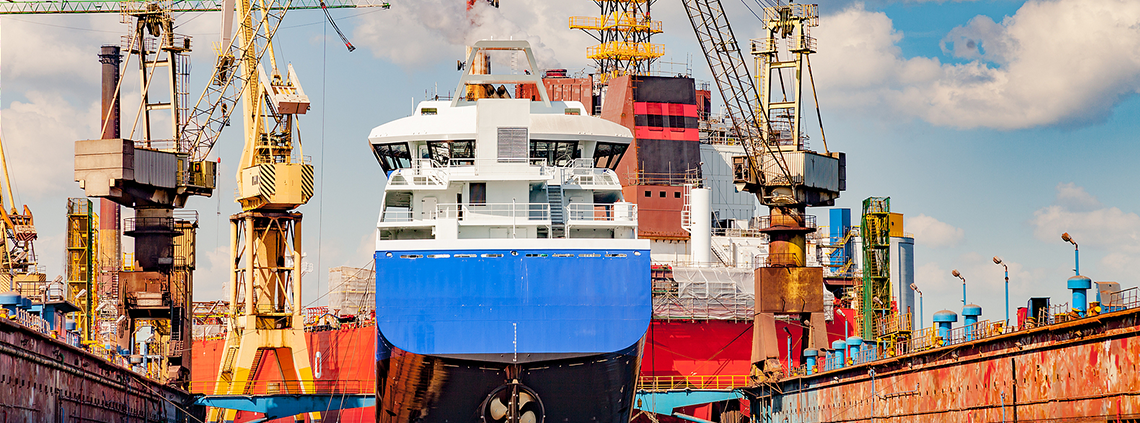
{"x":839,"y":347}
{"x":1080,"y":285}
{"x":1076,"y":259}
{"x":789,"y":354}
{"x":1006,"y":296}
{"x":810,"y":357}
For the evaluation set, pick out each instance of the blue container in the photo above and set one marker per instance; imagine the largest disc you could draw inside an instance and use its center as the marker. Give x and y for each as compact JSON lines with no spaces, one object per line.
{"x":839,"y":347}
{"x":810,"y":355}
{"x":855,"y":343}
{"x":944,"y":320}
{"x":1080,"y":285}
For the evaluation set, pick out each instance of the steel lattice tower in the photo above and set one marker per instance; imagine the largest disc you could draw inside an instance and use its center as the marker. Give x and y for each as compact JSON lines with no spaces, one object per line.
{"x":623,"y":31}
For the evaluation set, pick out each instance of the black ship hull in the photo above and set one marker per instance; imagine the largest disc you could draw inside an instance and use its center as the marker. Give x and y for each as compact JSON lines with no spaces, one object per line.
{"x":414,"y":388}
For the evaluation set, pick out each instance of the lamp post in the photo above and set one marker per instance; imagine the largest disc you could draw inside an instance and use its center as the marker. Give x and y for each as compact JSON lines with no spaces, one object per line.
{"x":1076,"y":252}
{"x":845,"y":334}
{"x":915,"y":288}
{"x":959,"y":276}
{"x":997,"y":260}
{"x":789,"y":349}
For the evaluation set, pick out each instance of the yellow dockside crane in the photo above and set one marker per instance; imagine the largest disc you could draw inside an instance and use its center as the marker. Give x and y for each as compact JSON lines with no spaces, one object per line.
{"x":265,"y":238}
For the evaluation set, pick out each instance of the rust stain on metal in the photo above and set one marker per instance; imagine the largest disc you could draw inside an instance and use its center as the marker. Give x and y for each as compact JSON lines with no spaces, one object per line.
{"x":789,"y":290}
{"x":1083,"y":370}
{"x":50,"y":381}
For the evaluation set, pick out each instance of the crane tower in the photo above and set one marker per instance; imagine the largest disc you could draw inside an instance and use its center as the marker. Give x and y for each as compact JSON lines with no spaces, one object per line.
{"x":623,"y":31}
{"x":779,"y":168}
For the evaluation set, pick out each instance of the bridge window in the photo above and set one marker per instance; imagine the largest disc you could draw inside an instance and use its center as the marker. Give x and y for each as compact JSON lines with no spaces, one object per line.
{"x":392,"y":156}
{"x":556,"y":153}
{"x":608,"y":155}
{"x":453,"y":152}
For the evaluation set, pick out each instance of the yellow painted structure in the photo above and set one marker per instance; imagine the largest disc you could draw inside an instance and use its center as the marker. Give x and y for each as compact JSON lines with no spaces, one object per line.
{"x":265,"y":238}
{"x":622,"y":29}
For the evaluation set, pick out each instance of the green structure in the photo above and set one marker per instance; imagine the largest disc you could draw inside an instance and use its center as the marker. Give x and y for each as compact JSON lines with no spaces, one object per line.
{"x":875,"y":301}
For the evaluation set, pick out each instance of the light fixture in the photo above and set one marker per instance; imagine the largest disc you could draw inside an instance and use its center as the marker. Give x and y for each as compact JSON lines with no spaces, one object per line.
{"x":997,"y":261}
{"x":959,"y":276}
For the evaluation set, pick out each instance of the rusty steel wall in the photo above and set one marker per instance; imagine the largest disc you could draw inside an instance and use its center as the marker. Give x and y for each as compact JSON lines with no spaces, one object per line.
{"x":1086,"y":370}
{"x":45,"y":380}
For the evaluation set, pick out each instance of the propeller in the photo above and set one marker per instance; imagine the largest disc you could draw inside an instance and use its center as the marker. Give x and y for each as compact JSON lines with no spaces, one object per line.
{"x":498,"y":409}
{"x":512,"y":403}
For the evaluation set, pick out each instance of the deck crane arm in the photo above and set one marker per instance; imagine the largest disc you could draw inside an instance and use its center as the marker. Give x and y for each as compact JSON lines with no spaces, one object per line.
{"x":736,"y":85}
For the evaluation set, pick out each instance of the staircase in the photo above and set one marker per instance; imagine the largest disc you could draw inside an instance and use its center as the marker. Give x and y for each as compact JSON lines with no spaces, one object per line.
{"x":557,"y":211}
{"x":720,"y":255}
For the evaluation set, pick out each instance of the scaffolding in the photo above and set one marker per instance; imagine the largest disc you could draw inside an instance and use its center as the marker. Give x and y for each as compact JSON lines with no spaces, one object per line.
{"x":622,"y":29}
{"x":352,"y":291}
{"x":82,"y":247}
{"x":875,"y":292}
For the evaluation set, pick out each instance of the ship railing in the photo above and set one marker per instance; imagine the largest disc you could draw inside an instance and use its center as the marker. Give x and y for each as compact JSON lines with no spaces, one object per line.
{"x":602,"y":212}
{"x":680,"y":382}
{"x":280,"y":386}
{"x":1121,"y":300}
{"x":423,"y":172}
{"x":397,"y":216}
{"x":738,"y":233}
{"x":496,"y":213}
{"x":509,"y":166}
{"x":787,"y":221}
{"x":587,"y":176}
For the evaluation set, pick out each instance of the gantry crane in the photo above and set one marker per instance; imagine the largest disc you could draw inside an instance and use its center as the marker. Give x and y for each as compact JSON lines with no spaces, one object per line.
{"x":778,"y":167}
{"x":157,"y":176}
{"x":265,"y":238}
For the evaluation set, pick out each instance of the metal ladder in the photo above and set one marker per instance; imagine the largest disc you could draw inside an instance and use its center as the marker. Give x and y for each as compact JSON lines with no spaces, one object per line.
{"x":557,"y":212}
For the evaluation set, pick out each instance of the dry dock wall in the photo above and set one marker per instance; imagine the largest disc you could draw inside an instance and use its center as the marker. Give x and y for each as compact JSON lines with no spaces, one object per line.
{"x":46,"y":380}
{"x":1085,"y":370}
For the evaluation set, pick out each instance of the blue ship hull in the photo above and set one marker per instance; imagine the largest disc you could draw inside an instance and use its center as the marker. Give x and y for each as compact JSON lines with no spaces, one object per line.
{"x":455,"y":326}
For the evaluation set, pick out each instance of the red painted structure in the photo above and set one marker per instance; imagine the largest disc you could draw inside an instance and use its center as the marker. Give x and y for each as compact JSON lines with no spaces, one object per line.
{"x":346,"y":364}
{"x":665,"y":154}
{"x":562,"y":89}
{"x":713,"y":354}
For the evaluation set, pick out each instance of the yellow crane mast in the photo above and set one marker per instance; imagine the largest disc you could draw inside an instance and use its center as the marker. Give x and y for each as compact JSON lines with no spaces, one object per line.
{"x":265,"y":238}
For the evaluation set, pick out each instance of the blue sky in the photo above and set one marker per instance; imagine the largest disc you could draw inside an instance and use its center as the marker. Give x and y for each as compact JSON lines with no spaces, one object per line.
{"x":990,"y":150}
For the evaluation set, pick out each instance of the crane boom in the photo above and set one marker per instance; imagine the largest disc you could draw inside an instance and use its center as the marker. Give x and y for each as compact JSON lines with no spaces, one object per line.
{"x":229,"y":81}
{"x":41,"y":7}
{"x":736,"y":86}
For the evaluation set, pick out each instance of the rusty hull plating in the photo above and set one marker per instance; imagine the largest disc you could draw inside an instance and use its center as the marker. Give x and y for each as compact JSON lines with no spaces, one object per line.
{"x":1077,"y":371}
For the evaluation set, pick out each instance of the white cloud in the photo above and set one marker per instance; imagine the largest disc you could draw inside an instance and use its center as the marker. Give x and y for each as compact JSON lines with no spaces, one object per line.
{"x":931,"y":232}
{"x":211,"y":279}
{"x":1073,"y":197}
{"x":1077,"y":213}
{"x":429,"y":31}
{"x":40,"y":131}
{"x":1016,"y":78}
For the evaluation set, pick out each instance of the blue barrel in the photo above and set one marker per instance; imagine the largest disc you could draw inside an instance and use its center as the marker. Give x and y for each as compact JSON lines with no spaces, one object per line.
{"x":839,"y":347}
{"x":855,"y":343}
{"x":1080,"y":285}
{"x":943,"y":320}
{"x":810,"y":355}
